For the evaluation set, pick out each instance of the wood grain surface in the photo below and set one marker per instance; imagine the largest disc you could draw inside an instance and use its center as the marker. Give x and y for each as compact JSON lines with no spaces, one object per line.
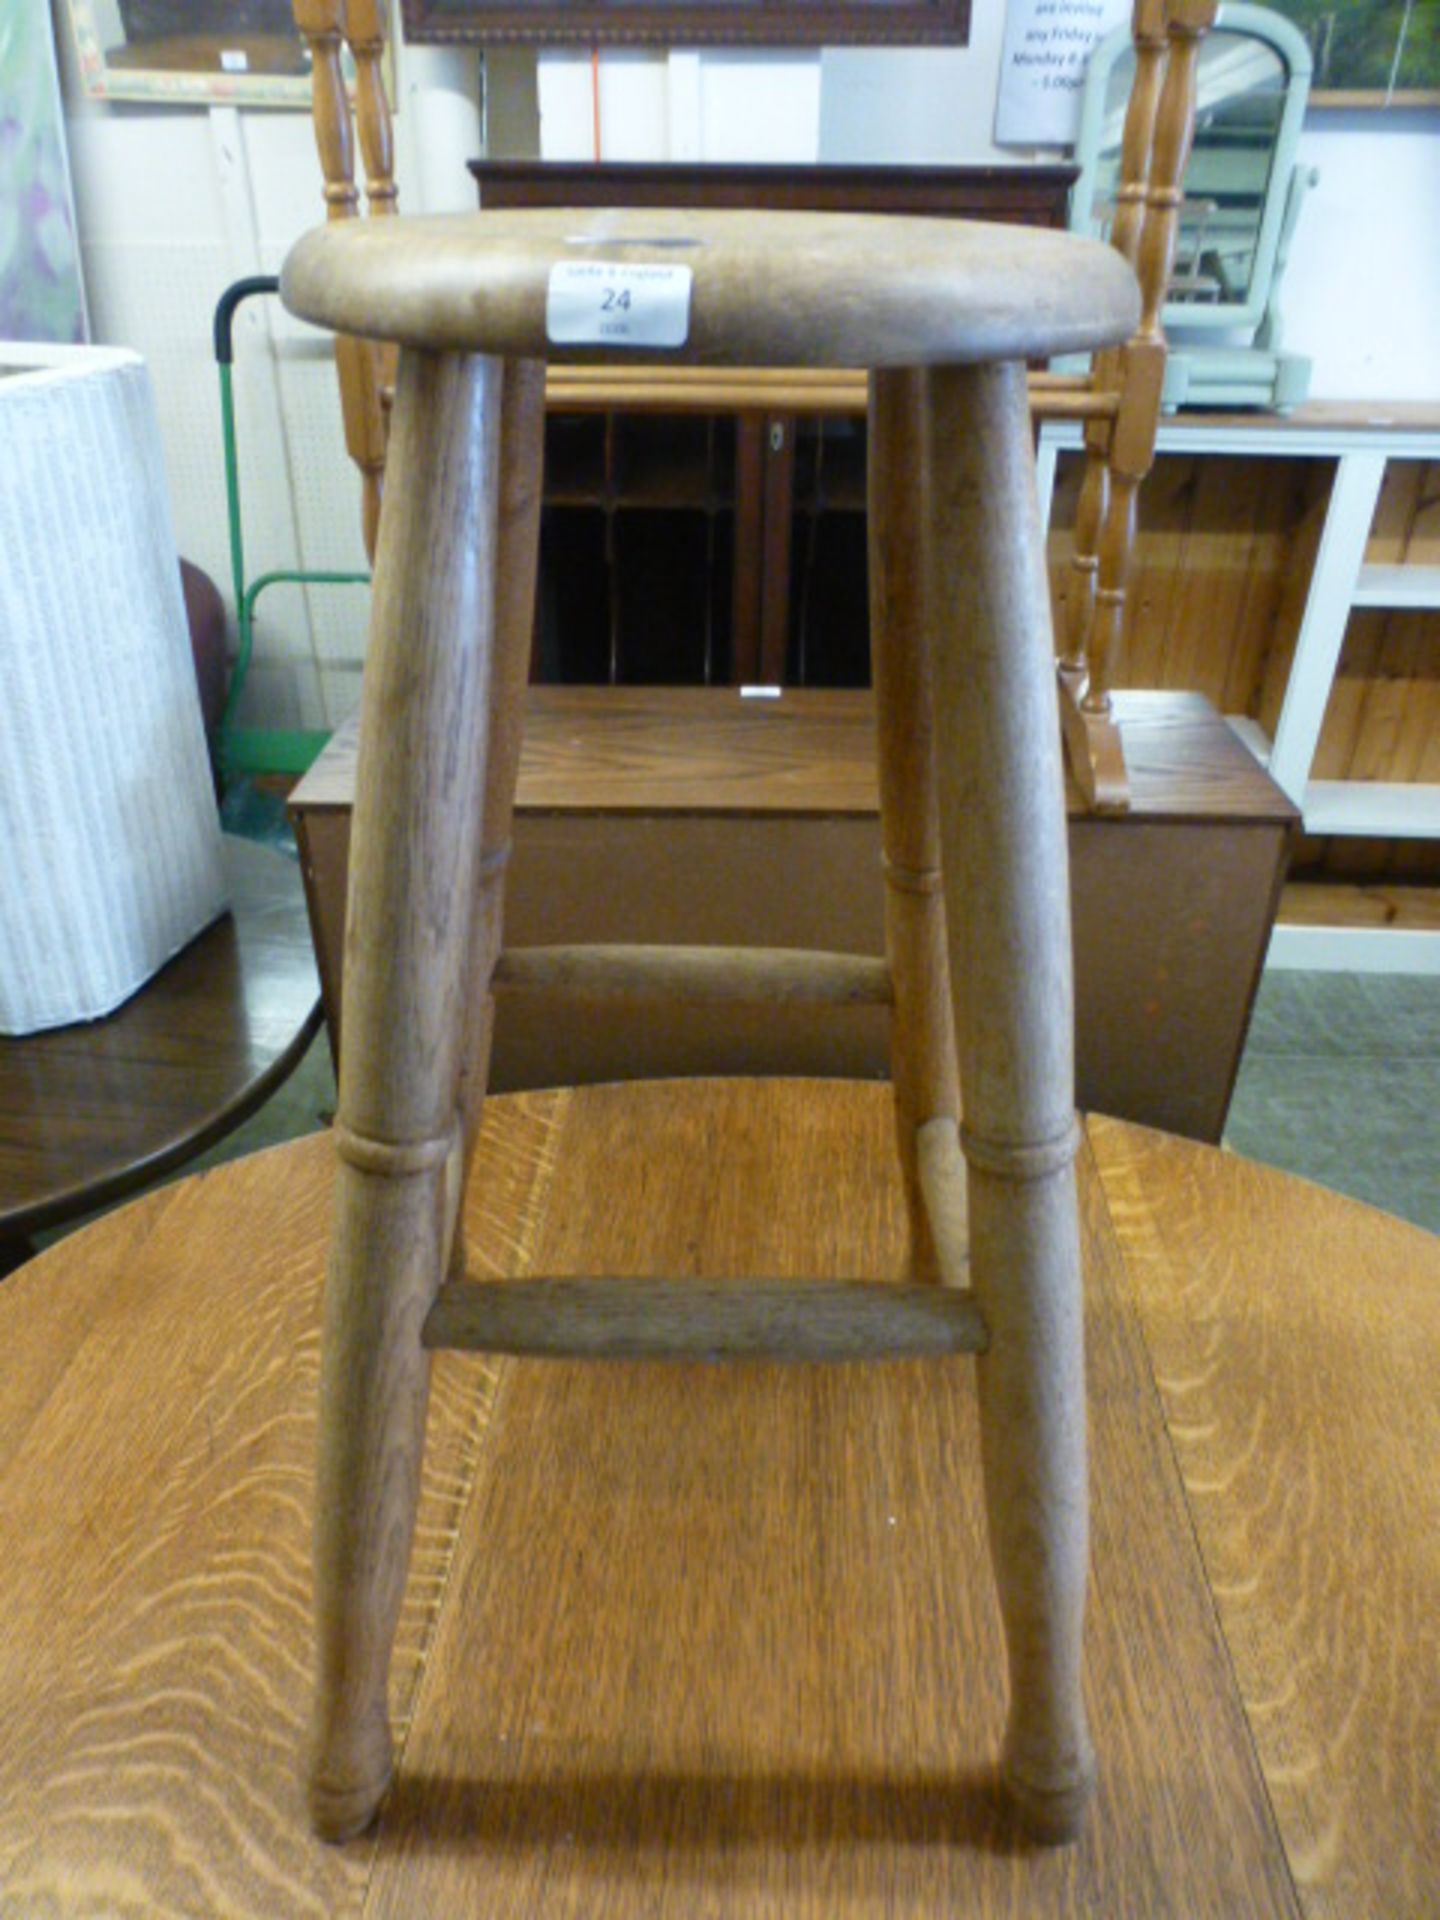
{"x":1316,"y":904}
{"x":769,"y":289}
{"x":694,"y":1641}
{"x":822,"y":390}
{"x":903,"y":632}
{"x":156,"y":1472}
{"x":712,"y":750}
{"x":1029,"y":195}
{"x":90,"y":1112}
{"x":712,"y":976}
{"x":663,"y":815}
{"x":733,"y":1319}
{"x":1296,"y":1363}
{"x":411,"y":913}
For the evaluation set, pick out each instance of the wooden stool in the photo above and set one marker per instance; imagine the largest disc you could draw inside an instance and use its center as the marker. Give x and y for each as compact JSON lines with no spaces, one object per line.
{"x":946,"y":314}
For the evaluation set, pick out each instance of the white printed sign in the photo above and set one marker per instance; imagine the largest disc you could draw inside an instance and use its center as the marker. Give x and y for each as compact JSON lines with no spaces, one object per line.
{"x":1048,"y":44}
{"x":610,"y":303}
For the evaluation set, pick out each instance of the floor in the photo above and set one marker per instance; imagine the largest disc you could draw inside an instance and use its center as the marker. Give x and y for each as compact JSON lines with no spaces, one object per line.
{"x":1340,"y":1082}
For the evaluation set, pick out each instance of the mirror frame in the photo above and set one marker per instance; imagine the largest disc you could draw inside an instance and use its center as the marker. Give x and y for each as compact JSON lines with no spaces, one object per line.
{"x":688,"y":23}
{"x":104,"y":79}
{"x":1260,"y":23}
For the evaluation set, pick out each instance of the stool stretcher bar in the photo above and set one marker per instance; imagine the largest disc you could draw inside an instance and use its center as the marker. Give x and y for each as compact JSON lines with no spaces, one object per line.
{"x":628,"y":1319}
{"x":736,"y":976}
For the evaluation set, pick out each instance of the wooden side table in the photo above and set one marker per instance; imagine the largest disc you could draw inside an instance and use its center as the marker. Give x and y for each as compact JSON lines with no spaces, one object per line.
{"x":90,"y":1112}
{"x":796,"y":1727}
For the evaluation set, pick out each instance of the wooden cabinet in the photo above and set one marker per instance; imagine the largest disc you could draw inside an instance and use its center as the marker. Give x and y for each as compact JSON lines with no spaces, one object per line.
{"x":703,"y":549}
{"x":638,"y":550}
{"x":686,"y":814}
{"x":694,"y":548}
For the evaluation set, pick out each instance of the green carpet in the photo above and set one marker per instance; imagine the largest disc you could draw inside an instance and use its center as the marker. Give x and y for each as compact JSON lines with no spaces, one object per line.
{"x":1340,"y":1082}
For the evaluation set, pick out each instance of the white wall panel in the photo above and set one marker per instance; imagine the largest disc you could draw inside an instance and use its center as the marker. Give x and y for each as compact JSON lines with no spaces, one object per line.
{"x":892,"y":106}
{"x":711,"y":104}
{"x":157,"y":297}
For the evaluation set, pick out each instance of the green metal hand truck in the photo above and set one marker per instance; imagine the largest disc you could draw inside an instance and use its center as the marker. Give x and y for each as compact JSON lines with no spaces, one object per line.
{"x":241,"y":751}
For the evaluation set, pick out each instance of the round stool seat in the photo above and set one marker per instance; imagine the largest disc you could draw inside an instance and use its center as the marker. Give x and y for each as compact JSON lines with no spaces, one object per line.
{"x":764,"y":289}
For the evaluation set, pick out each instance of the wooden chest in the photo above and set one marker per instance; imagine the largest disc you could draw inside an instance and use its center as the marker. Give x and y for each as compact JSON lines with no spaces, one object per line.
{"x":667,"y":814}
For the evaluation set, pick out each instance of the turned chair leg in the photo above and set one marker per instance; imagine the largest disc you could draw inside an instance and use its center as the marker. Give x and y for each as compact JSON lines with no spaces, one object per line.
{"x":922,"y":1038}
{"x":522,"y":442}
{"x":420,"y":783}
{"x":1002,"y":823}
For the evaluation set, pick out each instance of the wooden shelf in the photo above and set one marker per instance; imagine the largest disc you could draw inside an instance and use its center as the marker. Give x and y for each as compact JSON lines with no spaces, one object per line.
{"x":1398,"y":587}
{"x":1373,"y":809}
{"x":1335,"y":927}
{"x":1317,"y":903}
{"x":687,"y":461}
{"x":1333,"y":544}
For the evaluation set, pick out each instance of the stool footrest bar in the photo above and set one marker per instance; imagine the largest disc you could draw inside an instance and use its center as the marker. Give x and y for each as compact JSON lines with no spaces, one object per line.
{"x":734,"y":975}
{"x":629,"y":1319}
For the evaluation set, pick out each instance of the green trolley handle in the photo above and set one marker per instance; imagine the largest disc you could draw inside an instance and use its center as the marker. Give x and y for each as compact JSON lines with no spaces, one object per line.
{"x":254,"y":749}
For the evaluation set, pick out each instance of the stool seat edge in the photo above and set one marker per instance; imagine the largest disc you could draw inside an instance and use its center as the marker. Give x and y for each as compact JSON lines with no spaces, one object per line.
{"x":772,"y":289}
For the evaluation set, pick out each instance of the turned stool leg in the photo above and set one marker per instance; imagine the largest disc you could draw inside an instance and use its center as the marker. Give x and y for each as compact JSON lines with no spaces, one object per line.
{"x":922,"y":1041}
{"x":1004,"y":855}
{"x":522,"y":441}
{"x":412,"y":872}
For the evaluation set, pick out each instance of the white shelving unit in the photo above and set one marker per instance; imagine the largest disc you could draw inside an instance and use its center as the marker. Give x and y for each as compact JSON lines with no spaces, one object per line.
{"x":1361,"y":441}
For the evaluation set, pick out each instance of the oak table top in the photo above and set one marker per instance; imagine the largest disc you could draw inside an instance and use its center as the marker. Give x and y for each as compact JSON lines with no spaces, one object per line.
{"x":688,"y":1641}
{"x":92,"y":1111}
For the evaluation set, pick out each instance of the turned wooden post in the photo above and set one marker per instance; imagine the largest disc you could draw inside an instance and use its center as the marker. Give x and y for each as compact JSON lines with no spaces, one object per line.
{"x":1131,"y":198}
{"x":922,"y":1041}
{"x":522,"y":441}
{"x":1002,"y":823}
{"x":1159,"y":128}
{"x":366,"y":368}
{"x":364,"y":27}
{"x":1149,"y":242}
{"x":414,"y":853}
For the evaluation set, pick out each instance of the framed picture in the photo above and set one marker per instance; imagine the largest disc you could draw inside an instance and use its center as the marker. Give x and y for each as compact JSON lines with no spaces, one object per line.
{"x":682,"y":23}
{"x":41,"y":294}
{"x":1370,"y":53}
{"x":216,"y":52}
